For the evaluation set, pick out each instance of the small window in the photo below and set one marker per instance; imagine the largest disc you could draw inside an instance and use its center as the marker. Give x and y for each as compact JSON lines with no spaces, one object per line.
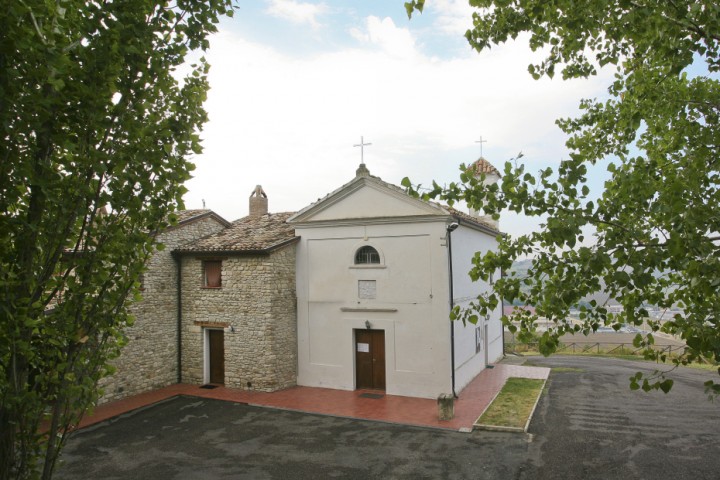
{"x":212,"y":273}
{"x":367,"y":255}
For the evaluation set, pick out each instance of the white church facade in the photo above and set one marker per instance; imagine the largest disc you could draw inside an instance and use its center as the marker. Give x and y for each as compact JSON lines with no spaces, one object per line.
{"x":373,"y":291}
{"x":353,"y":292}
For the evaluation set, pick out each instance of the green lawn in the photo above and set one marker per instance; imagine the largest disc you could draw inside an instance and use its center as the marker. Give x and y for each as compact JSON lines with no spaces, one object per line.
{"x":514,"y":404}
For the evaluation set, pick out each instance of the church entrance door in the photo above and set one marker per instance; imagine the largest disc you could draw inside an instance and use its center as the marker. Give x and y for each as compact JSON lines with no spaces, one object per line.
{"x":370,"y":359}
{"x":216,"y":356}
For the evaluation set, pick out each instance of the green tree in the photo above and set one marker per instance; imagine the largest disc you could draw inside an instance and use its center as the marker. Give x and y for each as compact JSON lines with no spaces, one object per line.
{"x":96,"y":126}
{"x":656,"y":224}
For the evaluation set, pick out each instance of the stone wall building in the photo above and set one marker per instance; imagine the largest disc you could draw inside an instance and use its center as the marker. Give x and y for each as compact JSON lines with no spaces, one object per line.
{"x":351,"y":292}
{"x":185,"y":326}
{"x":149,"y":360}
{"x":240,"y":329}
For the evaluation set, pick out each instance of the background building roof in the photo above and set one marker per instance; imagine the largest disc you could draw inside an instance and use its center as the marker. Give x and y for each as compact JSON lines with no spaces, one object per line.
{"x":483,"y":166}
{"x":249,"y":234}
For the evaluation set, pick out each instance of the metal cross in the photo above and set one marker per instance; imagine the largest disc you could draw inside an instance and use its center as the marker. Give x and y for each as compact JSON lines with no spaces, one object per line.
{"x":362,"y":146}
{"x":481,"y":141}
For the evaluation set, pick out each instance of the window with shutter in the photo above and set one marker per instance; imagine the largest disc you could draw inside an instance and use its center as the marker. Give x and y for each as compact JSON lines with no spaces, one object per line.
{"x":212,"y":273}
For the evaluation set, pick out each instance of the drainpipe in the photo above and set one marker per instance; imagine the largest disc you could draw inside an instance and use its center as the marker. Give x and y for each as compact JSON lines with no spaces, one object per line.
{"x":502,"y":312}
{"x":178,"y":261}
{"x":450,"y":228}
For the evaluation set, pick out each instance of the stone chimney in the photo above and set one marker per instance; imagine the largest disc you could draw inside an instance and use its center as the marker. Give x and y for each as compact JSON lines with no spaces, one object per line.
{"x":258,"y":202}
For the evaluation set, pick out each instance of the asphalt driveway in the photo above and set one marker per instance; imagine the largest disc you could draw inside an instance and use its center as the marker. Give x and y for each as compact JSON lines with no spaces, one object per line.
{"x":191,"y":438}
{"x":588,"y":425}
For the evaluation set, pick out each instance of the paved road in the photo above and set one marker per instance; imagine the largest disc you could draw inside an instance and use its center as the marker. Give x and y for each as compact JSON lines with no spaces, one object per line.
{"x":589,"y":425}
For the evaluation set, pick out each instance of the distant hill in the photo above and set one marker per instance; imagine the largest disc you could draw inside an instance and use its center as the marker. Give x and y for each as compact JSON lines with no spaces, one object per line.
{"x":520,"y":268}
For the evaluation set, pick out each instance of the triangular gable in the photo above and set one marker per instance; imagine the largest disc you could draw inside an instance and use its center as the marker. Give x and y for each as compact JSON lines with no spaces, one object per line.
{"x":366,"y":197}
{"x":187,"y":217}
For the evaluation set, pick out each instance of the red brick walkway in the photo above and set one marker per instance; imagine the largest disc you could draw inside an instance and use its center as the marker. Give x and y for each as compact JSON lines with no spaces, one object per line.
{"x":471,"y":403}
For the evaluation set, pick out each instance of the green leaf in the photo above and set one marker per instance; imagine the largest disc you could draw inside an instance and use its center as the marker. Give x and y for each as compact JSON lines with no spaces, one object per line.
{"x":92,"y":117}
{"x":666,"y":385}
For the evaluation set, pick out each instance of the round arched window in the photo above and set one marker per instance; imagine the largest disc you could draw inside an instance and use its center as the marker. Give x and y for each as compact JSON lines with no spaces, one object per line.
{"x":366,"y":255}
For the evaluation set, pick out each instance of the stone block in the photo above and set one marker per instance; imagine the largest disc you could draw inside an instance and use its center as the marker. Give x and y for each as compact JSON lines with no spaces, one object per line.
{"x":446,"y":406}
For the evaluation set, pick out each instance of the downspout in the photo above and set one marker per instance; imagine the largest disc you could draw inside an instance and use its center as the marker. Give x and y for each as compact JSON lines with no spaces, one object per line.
{"x":178,"y":261}
{"x":450,"y":228}
{"x":502,"y":312}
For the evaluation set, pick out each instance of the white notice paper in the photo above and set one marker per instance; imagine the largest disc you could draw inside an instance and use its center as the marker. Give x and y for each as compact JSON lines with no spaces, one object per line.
{"x":363,"y":347}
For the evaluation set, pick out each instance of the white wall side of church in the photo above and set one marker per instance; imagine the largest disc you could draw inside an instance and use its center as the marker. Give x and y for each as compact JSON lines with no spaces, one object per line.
{"x":257,"y":299}
{"x":469,"y":360}
{"x":413,"y":280}
{"x":149,"y":360}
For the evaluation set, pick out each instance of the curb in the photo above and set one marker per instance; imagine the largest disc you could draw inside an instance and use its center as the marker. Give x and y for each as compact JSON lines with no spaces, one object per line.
{"x":537,"y":400}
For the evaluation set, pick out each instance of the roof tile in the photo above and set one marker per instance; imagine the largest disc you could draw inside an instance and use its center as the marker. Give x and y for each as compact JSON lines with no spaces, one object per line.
{"x":248,"y":234}
{"x":483,"y":166}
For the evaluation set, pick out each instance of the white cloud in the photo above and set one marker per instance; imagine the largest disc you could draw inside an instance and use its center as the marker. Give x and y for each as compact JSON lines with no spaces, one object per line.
{"x":454,"y":17}
{"x":289,"y":123}
{"x":297,"y":12}
{"x":382,"y":33}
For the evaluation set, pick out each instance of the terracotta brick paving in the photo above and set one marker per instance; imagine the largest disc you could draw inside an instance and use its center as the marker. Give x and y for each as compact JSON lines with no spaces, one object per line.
{"x":471,"y":403}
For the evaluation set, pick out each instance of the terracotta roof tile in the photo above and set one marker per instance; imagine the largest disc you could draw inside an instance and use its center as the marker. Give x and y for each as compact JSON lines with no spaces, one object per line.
{"x":470,"y":219}
{"x":483,"y":166}
{"x":185,"y":215}
{"x":248,"y":234}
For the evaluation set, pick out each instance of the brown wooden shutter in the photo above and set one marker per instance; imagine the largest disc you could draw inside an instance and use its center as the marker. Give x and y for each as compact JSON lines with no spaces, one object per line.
{"x":213,"y":277}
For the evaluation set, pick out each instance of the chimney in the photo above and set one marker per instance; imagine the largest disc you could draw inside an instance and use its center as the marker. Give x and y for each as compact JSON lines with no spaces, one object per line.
{"x":258,"y":202}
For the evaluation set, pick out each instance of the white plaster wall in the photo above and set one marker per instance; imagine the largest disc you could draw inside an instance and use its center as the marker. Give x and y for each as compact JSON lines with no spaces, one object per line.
{"x":413,"y":278}
{"x":468,"y":361}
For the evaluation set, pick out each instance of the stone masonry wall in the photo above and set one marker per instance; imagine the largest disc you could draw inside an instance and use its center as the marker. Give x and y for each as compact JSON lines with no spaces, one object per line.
{"x":257,"y":299}
{"x":149,"y":360}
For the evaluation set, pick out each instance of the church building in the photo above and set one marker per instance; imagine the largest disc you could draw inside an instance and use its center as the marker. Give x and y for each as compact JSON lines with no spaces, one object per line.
{"x":353,"y":292}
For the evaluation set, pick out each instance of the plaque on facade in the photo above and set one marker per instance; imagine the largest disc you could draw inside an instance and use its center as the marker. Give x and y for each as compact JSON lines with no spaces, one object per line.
{"x":366,"y":289}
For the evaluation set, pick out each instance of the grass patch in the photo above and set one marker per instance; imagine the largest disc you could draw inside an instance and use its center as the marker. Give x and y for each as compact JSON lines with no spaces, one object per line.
{"x":567,"y":369}
{"x":703,"y":366}
{"x":514,"y":404}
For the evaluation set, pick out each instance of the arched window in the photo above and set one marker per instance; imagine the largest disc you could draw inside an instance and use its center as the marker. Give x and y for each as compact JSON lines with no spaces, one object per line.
{"x":366,"y":255}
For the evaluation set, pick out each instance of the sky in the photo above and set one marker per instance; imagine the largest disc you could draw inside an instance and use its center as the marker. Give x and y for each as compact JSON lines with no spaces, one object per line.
{"x":295,"y":84}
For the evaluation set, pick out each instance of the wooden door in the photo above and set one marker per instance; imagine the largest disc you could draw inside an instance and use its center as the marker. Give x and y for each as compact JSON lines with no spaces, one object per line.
{"x":216,"y":344}
{"x":370,"y":359}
